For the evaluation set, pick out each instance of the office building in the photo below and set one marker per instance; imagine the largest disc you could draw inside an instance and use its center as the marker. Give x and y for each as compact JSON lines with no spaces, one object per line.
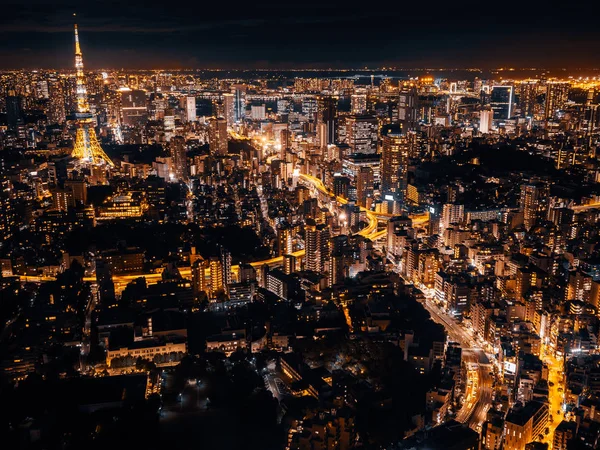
{"x":258,"y":112}
{"x":361,"y":134}
{"x":525,"y":424}
{"x":134,"y":108}
{"x":408,"y":108}
{"x":190,"y":109}
{"x":557,"y":95}
{"x":14,"y":112}
{"x":239,"y":104}
{"x":501,"y":101}
{"x":217,"y":136}
{"x":327,"y":118}
{"x":486,"y":117}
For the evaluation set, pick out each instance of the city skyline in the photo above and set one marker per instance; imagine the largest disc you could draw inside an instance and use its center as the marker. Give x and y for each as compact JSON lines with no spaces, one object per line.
{"x":296,"y":259}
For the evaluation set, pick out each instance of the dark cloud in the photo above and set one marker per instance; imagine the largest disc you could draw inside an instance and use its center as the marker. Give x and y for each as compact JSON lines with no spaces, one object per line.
{"x":147,"y":34}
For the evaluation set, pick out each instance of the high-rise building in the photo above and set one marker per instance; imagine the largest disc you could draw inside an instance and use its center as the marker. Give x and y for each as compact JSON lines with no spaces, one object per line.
{"x":394,"y":165}
{"x":327,"y":116}
{"x":87,"y":149}
{"x":215,"y":276}
{"x":258,"y":112}
{"x":284,"y":239}
{"x":557,"y":94}
{"x":190,"y":109}
{"x":485,"y":121}
{"x":501,"y":101}
{"x":179,"y":158}
{"x":358,"y":104}
{"x":169,"y":123}
{"x":338,"y":269}
{"x":364,"y":187}
{"x":134,"y":106}
{"x":361,"y":134}
{"x":239,"y":104}
{"x":316,"y":243}
{"x":451,"y":214}
{"x":14,"y":112}
{"x":229,"y":107}
{"x":532,"y":202}
{"x":309,"y":107}
{"x":527,"y":93}
{"x":408,"y":108}
{"x":217,"y":136}
{"x":156,"y":196}
{"x":78,"y":188}
{"x":341,"y":186}
{"x":56,"y":102}
{"x":198,"y":276}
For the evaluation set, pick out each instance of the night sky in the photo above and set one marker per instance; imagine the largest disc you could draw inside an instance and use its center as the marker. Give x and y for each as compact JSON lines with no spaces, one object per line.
{"x":299,"y":34}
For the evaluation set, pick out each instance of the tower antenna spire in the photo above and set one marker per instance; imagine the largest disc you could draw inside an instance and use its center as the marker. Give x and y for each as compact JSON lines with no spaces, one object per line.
{"x":87,"y":149}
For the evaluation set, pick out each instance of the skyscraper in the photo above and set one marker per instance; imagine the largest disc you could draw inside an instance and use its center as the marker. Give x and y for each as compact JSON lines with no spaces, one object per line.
{"x":532,"y":202}
{"x":527,"y":95}
{"x":87,"y":149}
{"x":317,"y":246}
{"x":56,"y":103}
{"x":217,"y":136}
{"x":501,"y":102}
{"x":215,"y":267}
{"x":358,"y":103}
{"x":239,"y":106}
{"x":327,"y":116}
{"x":179,"y":158}
{"x":394,"y":165}
{"x":407,"y":108}
{"x":134,"y":107}
{"x":14,"y":112}
{"x":284,"y":239}
{"x":190,"y":109}
{"x":485,"y":121}
{"x":229,"y":107}
{"x":361,"y":134}
{"x":557,"y":94}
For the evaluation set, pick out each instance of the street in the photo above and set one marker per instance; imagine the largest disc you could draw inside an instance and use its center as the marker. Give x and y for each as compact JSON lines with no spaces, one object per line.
{"x":479,"y":395}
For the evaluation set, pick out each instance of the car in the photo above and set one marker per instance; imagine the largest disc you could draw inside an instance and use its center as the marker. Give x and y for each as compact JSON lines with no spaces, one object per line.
{"x":551,"y":384}
{"x":560,"y":389}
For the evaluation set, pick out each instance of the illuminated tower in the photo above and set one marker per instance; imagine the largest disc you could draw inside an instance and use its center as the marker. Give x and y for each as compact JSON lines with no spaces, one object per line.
{"x":87,"y":148}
